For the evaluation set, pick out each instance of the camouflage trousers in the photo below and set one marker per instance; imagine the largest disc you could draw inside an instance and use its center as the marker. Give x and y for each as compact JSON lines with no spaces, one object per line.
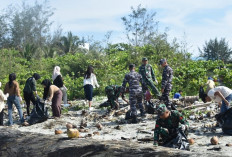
{"x":165,"y":97}
{"x":151,"y":84}
{"x":112,"y":101}
{"x":136,"y":97}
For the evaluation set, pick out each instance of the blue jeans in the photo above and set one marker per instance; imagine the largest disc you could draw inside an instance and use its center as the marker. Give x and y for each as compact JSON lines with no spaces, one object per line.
{"x":14,"y":100}
{"x":224,"y":107}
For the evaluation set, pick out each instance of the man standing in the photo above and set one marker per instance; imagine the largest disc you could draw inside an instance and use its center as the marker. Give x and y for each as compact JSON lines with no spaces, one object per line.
{"x":148,"y":77}
{"x":135,"y":91}
{"x":166,"y":84}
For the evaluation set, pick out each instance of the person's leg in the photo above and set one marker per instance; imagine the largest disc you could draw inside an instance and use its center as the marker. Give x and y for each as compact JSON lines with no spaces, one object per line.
{"x":90,"y":97}
{"x":56,"y":104}
{"x":18,"y":106}
{"x":155,"y":91}
{"x":140,"y":103}
{"x":9,"y":103}
{"x":1,"y":117}
{"x":64,"y":92}
{"x":27,"y":100}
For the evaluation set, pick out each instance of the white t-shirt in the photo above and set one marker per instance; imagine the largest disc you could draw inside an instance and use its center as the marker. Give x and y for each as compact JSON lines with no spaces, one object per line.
{"x":224,"y":90}
{"x":92,"y":80}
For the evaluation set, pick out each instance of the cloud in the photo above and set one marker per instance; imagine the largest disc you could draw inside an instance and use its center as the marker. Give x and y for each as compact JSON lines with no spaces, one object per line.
{"x":200,"y":20}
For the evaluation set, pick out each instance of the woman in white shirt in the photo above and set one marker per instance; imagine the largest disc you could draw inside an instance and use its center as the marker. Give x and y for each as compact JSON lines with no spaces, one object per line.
{"x":220,"y":94}
{"x":90,"y":82}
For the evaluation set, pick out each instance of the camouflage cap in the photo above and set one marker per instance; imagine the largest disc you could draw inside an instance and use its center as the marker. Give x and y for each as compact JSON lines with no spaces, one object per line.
{"x":144,"y":59}
{"x":161,"y":109}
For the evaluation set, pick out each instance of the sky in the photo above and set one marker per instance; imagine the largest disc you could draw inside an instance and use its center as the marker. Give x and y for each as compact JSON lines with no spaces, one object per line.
{"x":190,"y":21}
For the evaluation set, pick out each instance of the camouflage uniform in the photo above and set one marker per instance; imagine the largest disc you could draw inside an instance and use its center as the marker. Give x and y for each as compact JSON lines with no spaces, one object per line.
{"x":148,"y":77}
{"x":166,"y":128}
{"x":113,"y":92}
{"x":135,"y":90}
{"x":166,"y":84}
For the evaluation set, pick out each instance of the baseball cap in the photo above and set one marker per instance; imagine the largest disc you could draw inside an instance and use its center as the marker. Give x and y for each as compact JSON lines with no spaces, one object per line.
{"x":161,"y":109}
{"x":144,"y":59}
{"x":162,"y":61}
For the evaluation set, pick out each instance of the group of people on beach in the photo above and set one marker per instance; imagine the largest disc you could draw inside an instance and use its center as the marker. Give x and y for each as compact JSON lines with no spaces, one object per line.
{"x":141,"y":83}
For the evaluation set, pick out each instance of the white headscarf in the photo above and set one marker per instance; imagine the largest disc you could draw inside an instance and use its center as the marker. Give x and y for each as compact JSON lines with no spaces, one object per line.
{"x":56,"y":72}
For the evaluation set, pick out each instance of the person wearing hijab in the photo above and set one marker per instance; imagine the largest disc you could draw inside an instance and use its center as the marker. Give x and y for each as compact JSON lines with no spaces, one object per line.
{"x":58,"y":81}
{"x":2,"y":104}
{"x":90,"y":82}
{"x":28,"y":90}
{"x":12,"y":88}
{"x":54,"y":94}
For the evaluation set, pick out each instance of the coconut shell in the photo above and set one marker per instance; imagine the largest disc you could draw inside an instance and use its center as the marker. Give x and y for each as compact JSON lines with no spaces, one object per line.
{"x":73,"y":133}
{"x":58,"y":132}
{"x":191,"y":141}
{"x":99,"y":126}
{"x":69,"y":126}
{"x":214,"y":140}
{"x":96,"y":133}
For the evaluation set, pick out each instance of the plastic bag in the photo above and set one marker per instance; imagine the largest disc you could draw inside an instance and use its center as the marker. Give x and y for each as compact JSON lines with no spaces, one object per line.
{"x":39,"y":113}
{"x":225,"y":121}
{"x":179,"y":141}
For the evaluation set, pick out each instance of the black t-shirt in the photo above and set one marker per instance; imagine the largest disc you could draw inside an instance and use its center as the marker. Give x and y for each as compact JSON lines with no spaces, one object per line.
{"x":58,"y":81}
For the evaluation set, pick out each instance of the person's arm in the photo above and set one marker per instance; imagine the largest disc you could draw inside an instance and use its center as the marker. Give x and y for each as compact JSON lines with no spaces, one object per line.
{"x":218,"y":93}
{"x":17,"y":89}
{"x":125,"y":81}
{"x":95,"y":81}
{"x":51,"y":93}
{"x":34,"y":86}
{"x":124,"y":98}
{"x":153,"y":74}
{"x":156,"y":133}
{"x":2,"y":96}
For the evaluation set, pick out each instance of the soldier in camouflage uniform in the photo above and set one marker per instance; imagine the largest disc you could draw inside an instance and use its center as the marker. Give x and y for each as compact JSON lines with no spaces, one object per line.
{"x":113,"y":92}
{"x":148,"y":77}
{"x":166,"y":84}
{"x":168,"y":123}
{"x":135,"y":91}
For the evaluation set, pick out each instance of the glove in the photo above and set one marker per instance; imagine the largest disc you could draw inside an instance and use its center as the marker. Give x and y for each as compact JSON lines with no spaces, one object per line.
{"x":183,"y":127}
{"x":48,"y":102}
{"x":20,"y":98}
{"x":156,"y":81}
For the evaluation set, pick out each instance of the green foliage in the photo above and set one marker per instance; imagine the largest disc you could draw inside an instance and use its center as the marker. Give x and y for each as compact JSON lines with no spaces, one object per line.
{"x":216,"y":50}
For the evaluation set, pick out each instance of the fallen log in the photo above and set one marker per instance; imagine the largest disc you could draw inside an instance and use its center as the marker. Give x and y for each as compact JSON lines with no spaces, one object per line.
{"x":146,"y":139}
{"x":195,"y":106}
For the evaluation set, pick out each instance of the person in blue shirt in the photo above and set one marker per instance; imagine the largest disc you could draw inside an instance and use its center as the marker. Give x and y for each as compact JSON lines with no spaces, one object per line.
{"x":178,"y":94}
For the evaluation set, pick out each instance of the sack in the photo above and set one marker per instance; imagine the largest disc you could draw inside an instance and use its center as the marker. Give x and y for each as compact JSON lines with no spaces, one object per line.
{"x":180,"y":141}
{"x":150,"y":107}
{"x":131,"y":116}
{"x":39,"y":113}
{"x":225,"y":121}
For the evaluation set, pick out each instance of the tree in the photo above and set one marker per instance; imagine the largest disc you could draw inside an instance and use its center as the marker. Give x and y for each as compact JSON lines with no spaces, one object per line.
{"x":216,"y":50}
{"x":140,"y":26}
{"x":30,"y":25}
{"x":69,"y":43}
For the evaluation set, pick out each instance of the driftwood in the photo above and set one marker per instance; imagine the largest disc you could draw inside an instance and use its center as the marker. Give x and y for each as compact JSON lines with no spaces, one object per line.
{"x":146,"y":139}
{"x":195,"y":106}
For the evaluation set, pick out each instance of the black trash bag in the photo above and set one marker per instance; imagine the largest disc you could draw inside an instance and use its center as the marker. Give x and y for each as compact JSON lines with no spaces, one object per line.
{"x":178,"y":141}
{"x":39,"y":113}
{"x":225,"y":121}
{"x":150,"y":107}
{"x":131,"y":116}
{"x":104,"y":104}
